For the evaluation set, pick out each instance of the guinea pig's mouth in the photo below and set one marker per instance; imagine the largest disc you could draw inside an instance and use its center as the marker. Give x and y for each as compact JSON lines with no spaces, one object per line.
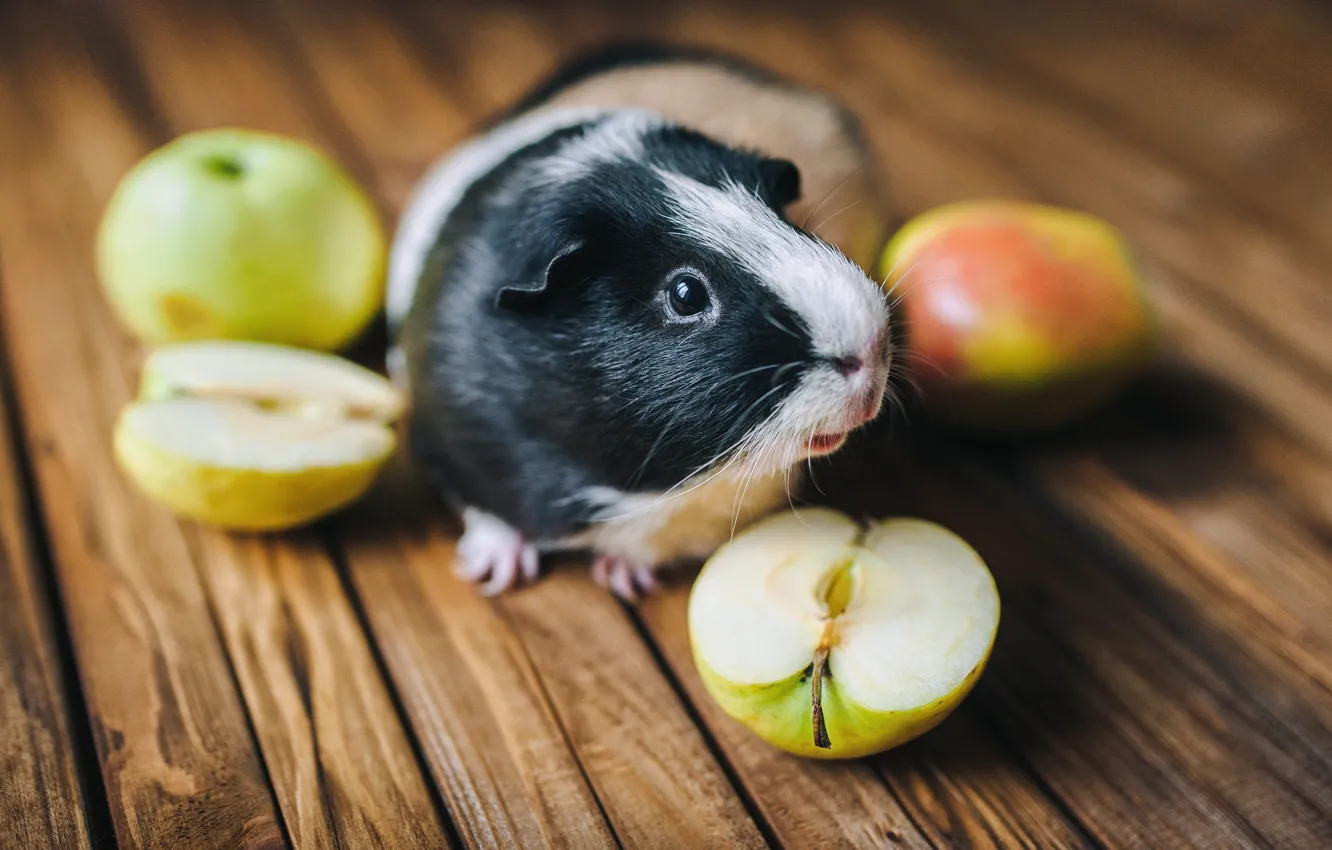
{"x":823,"y":444}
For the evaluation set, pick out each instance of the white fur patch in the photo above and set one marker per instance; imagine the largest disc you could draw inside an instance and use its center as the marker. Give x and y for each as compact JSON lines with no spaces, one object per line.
{"x":845,"y":312}
{"x":447,"y":180}
{"x":844,"y":309}
{"x":687,"y":522}
{"x":616,"y":138}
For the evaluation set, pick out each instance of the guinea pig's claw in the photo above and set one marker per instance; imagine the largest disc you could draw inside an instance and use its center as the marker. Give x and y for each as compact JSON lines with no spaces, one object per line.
{"x":494,"y":555}
{"x":622,"y":578}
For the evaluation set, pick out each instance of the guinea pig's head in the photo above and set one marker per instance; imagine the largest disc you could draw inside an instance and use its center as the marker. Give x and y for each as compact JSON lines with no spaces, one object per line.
{"x":697,"y":326}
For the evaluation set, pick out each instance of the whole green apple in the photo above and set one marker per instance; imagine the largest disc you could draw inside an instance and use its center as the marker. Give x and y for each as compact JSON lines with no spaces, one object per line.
{"x":237,"y":234}
{"x":1018,"y":316}
{"x":833,"y":639}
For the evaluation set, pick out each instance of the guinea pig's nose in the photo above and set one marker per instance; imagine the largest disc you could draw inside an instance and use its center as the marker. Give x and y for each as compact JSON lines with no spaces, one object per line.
{"x":849,"y":365}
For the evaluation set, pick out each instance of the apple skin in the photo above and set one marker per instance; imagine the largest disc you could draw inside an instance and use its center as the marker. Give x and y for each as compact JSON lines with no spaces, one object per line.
{"x":249,"y":500}
{"x":779,"y":714}
{"x":1018,"y":316}
{"x":777,"y":558}
{"x":236,"y":234}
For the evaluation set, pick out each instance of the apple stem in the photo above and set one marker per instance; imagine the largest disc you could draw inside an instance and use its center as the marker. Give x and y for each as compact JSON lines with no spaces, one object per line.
{"x":820,"y":727}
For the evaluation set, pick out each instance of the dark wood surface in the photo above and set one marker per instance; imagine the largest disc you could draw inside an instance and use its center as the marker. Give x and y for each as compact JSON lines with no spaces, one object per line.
{"x":1163,"y":674}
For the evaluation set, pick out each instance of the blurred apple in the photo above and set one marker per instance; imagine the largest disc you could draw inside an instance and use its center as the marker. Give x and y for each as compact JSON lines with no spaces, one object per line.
{"x":1018,"y":316}
{"x":235,"y":234}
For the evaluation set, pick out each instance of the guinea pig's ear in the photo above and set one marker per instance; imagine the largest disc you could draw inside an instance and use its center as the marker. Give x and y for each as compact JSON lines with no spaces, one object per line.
{"x":779,"y":181}
{"x":561,"y":270}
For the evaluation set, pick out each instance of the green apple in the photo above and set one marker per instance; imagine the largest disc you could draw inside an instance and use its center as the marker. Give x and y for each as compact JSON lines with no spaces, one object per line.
{"x":235,"y":234}
{"x":833,"y":639}
{"x":1018,"y":316}
{"x":255,"y":437}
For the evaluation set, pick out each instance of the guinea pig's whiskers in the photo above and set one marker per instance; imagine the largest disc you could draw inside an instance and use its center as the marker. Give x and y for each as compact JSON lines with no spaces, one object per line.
{"x":830,"y":218}
{"x":772,"y":320}
{"x":737,"y":451}
{"x":809,"y":461}
{"x":892,"y":292}
{"x":794,"y":364}
{"x":905,"y":274}
{"x":840,"y":183}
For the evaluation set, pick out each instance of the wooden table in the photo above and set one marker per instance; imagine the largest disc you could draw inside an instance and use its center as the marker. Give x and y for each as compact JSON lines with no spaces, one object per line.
{"x":1164,"y":667}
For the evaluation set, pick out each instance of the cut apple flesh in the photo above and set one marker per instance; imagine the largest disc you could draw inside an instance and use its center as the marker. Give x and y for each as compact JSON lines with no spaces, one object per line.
{"x":253,"y":436}
{"x":269,"y":375}
{"x":884,"y":620}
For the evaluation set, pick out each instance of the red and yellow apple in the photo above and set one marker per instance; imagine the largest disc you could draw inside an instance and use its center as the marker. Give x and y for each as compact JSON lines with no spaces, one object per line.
{"x":1017,"y":315}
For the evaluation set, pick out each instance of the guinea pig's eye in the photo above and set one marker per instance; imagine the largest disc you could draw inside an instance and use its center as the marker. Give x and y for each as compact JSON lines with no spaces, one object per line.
{"x":687,"y":294}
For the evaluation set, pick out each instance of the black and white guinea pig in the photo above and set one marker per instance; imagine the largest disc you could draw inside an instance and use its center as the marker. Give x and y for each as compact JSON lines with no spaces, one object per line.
{"x":614,"y":331}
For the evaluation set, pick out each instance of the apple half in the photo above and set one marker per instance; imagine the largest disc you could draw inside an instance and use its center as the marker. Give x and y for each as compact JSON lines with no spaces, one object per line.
{"x":833,"y":639}
{"x":253,"y":436}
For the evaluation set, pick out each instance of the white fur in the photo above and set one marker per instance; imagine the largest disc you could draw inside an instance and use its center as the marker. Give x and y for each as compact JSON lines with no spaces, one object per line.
{"x":687,"y":522}
{"x":618,"y":137}
{"x":448,"y":179}
{"x":444,"y":185}
{"x":846,"y":315}
{"x":493,"y":552}
{"x":845,"y":311}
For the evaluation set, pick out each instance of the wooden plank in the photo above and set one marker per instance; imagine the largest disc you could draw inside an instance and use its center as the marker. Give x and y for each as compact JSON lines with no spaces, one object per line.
{"x":643,"y":755}
{"x":1212,"y":342}
{"x":343,"y":768}
{"x":41,"y":802}
{"x":1282,"y":44}
{"x":474,"y":699}
{"x":645,"y":766}
{"x":1265,"y":147}
{"x":524,"y":794}
{"x":964,"y":790}
{"x":1187,"y":229}
{"x":178,"y":763}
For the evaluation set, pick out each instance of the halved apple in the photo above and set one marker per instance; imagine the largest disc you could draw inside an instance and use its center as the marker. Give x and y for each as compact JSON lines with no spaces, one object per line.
{"x":833,"y":639}
{"x":256,"y":437}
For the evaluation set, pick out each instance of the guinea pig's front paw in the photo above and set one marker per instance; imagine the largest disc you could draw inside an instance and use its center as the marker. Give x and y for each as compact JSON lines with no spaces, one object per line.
{"x":493,"y":553}
{"x":623,"y":577}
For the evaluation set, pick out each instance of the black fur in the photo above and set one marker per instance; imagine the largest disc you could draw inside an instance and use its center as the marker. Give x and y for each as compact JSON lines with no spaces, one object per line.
{"x":541,"y":355}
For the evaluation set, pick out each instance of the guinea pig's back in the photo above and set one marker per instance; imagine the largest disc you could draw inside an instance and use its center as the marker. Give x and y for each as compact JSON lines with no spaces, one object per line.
{"x":744,"y":106}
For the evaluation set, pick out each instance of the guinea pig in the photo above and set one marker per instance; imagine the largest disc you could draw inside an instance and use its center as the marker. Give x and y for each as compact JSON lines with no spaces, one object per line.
{"x":614,"y":331}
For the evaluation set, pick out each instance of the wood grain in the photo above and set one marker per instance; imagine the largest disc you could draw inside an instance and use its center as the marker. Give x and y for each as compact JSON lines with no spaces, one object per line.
{"x":1162,"y":672}
{"x":341,"y":766}
{"x":641,"y":753}
{"x":1265,"y":146}
{"x":1187,"y":229}
{"x":343,"y":770}
{"x":646,"y":760}
{"x":806,"y":803}
{"x":41,"y":803}
{"x":178,"y":762}
{"x":475,"y":702}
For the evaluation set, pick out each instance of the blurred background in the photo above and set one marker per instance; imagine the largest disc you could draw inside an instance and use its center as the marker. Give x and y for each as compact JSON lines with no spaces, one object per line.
{"x":1161,"y":675}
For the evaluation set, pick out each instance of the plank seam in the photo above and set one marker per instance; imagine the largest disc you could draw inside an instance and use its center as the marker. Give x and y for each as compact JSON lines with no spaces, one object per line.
{"x":113,"y":56}
{"x":751,"y":806}
{"x":96,"y":805}
{"x":342,"y":569}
